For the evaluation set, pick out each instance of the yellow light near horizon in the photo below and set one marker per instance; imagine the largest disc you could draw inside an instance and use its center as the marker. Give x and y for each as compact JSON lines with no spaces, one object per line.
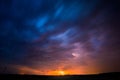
{"x":57,"y":72}
{"x":61,"y":72}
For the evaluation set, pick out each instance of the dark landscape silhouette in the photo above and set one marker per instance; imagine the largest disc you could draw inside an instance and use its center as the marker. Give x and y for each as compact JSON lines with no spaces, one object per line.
{"x":102,"y":76}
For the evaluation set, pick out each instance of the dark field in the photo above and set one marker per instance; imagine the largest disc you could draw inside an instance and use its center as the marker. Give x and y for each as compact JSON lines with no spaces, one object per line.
{"x":105,"y":76}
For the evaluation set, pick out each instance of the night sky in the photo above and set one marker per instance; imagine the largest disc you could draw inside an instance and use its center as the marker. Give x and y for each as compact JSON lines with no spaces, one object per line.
{"x":45,"y":36}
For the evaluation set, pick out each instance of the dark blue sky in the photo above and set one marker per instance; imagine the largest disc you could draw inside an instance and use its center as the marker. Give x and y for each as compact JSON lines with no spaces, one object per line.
{"x":76,"y":36}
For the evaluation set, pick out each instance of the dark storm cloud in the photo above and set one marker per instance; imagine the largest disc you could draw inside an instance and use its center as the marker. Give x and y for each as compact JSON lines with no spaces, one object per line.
{"x":47,"y":32}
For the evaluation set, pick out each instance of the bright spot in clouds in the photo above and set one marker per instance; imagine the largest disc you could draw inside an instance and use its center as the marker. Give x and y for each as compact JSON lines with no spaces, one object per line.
{"x":76,"y":55}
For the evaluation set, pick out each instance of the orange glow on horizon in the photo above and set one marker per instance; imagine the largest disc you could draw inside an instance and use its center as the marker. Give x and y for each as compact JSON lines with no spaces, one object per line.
{"x":60,"y":72}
